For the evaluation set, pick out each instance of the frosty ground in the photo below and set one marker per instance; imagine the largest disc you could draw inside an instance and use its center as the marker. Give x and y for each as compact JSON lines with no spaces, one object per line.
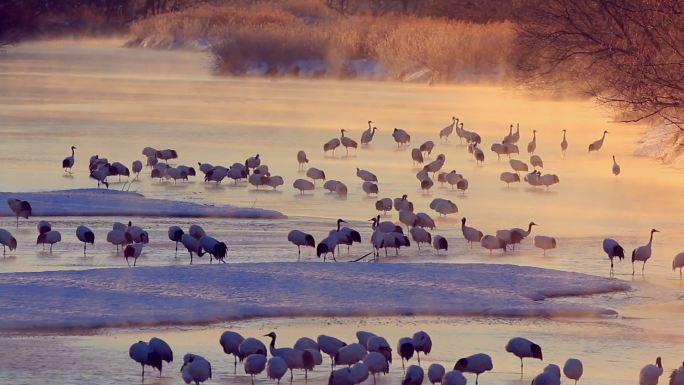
{"x":104,"y":202}
{"x":202,"y":294}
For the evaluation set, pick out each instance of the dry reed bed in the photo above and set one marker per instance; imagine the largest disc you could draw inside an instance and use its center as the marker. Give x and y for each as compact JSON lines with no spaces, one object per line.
{"x":286,"y":37}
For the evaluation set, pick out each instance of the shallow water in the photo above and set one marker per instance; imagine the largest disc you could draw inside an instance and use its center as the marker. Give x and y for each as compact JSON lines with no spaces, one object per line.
{"x":114,"y":101}
{"x":612,"y":350}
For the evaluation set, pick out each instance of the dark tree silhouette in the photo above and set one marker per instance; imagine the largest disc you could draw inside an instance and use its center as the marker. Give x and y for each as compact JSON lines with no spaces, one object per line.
{"x":627,"y":53}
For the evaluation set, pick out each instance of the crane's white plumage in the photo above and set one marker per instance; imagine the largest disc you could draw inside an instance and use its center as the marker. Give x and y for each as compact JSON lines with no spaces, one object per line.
{"x":476,"y":364}
{"x":524,"y":348}
{"x":596,"y":145}
{"x":350,"y":354}
{"x":650,"y":373}
{"x":330,"y":345}
{"x":7,"y":240}
{"x":254,"y":364}
{"x":299,"y":239}
{"x":643,"y":253}
{"x":51,"y":237}
{"x":230,"y":342}
{"x":414,"y":375}
{"x":573,"y":369}
{"x":436,"y":373}
{"x":376,"y":363}
{"x":454,"y":377}
{"x":276,"y":368}
{"x":195,"y":369}
{"x":545,"y":242}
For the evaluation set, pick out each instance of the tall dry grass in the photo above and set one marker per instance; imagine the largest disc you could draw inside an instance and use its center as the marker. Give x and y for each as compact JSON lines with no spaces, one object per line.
{"x":280,"y":35}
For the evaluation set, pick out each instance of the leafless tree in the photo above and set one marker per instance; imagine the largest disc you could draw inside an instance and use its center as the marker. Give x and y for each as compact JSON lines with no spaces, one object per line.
{"x":627,"y":53}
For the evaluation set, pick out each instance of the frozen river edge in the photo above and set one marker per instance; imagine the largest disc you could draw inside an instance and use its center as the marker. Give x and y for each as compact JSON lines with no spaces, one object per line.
{"x":199,"y":294}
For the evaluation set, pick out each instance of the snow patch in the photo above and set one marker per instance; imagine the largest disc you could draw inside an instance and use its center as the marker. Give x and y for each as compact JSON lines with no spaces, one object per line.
{"x":213,"y":293}
{"x":664,"y":142}
{"x":103,"y":202}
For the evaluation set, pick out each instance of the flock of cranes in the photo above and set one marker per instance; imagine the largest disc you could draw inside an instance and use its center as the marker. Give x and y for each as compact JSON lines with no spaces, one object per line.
{"x":251,"y":170}
{"x":353,"y":363}
{"x":384,"y":235}
{"x":371,"y":355}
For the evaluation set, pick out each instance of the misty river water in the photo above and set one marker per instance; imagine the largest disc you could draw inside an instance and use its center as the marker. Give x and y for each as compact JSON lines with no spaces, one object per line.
{"x":114,"y":101}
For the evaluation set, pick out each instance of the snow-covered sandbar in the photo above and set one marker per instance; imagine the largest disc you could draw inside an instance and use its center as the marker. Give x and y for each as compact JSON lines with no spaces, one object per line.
{"x":212,"y":293}
{"x":103,"y":202}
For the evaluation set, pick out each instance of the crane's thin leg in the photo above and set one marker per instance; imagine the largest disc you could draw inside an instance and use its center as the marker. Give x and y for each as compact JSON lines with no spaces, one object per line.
{"x":143,"y":371}
{"x":129,"y":265}
{"x":418,"y":353}
{"x":521,"y":367}
{"x":176,"y":256}
{"x":299,"y":253}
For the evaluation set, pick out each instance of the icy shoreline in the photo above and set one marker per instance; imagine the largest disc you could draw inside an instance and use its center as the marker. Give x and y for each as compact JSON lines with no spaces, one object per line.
{"x":103,"y":202}
{"x":204,"y":294}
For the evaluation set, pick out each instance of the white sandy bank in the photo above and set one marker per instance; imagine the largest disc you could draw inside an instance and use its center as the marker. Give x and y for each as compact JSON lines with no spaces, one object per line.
{"x":103,"y":202}
{"x":209,"y":293}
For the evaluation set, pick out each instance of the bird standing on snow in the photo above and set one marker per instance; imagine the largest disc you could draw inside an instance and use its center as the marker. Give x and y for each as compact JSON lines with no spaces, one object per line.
{"x":650,"y":373}
{"x":643,"y":253}
{"x":68,"y":162}
{"x":524,"y":348}
{"x":85,"y":235}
